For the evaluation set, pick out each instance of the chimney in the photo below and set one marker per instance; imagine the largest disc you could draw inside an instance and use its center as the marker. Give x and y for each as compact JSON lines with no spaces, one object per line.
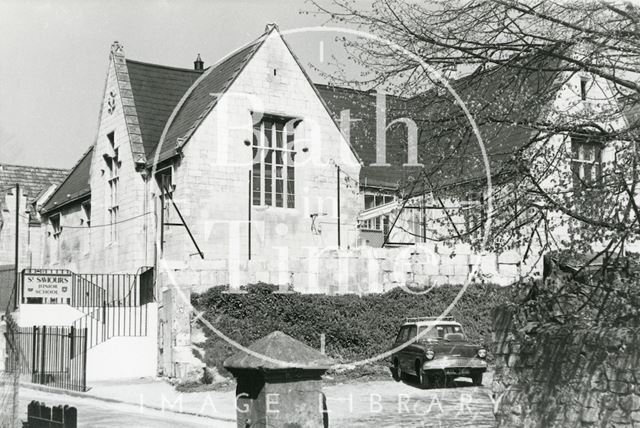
{"x":198,"y":64}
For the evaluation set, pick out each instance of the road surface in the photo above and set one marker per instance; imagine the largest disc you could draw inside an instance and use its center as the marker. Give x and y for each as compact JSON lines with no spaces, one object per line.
{"x":380,"y":404}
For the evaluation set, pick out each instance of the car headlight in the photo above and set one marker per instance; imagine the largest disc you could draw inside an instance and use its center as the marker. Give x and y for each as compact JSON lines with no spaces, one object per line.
{"x":429,"y":354}
{"x":482,"y":353}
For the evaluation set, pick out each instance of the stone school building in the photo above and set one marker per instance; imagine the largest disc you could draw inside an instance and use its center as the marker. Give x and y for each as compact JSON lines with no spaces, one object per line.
{"x":226,"y":174}
{"x":248,"y":171}
{"x":241,"y":172}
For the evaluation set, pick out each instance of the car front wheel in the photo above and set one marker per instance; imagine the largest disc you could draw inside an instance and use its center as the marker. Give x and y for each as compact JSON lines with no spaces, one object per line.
{"x":397,"y":373}
{"x":423,"y":378}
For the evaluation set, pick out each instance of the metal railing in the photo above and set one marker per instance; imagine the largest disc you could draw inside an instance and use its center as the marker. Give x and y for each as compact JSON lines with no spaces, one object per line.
{"x":113,"y":305}
{"x":54,"y":356}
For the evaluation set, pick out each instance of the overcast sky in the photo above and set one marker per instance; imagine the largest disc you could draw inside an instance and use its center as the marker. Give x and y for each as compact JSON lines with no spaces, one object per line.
{"x":54,"y":57}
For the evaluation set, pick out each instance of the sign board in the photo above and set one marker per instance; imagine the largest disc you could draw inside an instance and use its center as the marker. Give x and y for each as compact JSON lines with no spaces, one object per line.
{"x":47,"y":285}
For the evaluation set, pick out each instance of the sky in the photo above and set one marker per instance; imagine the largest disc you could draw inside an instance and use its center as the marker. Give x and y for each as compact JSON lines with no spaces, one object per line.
{"x":55,"y":54}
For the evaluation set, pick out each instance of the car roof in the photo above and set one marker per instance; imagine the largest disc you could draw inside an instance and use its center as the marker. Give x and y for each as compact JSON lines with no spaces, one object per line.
{"x":430,"y":323}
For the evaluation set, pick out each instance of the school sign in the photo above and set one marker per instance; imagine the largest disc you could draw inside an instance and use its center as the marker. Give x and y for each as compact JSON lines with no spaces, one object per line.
{"x":47,"y":285}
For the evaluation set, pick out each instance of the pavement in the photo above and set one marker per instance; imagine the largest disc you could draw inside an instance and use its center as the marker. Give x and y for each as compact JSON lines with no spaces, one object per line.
{"x":385,"y":403}
{"x":98,"y":413}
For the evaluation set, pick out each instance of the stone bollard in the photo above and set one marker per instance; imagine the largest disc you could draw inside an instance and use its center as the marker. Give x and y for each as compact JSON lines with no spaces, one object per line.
{"x":279,"y":384}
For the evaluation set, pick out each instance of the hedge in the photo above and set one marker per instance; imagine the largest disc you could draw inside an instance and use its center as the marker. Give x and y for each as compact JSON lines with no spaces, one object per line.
{"x":356,"y":327}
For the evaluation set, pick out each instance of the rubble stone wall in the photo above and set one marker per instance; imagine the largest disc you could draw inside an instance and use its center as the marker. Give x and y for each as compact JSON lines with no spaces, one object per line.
{"x":566,"y":377}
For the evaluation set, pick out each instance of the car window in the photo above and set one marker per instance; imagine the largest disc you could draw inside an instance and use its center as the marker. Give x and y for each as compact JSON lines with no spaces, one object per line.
{"x":432,"y":332}
{"x":445,"y":329}
{"x":400,"y":335}
{"x":412,"y":333}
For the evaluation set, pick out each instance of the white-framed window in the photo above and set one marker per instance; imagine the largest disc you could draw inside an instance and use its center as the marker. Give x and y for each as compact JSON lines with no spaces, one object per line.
{"x":113,"y":182}
{"x":380,"y":223}
{"x":586,"y":160}
{"x":273,"y":176}
{"x":374,"y":200}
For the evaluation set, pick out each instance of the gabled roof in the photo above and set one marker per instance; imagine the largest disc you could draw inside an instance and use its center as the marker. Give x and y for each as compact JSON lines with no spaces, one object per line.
{"x":75,"y":186}
{"x":157,"y":89}
{"x":33,"y":180}
{"x":172,"y":102}
{"x":202,"y":97}
{"x":503,"y":101}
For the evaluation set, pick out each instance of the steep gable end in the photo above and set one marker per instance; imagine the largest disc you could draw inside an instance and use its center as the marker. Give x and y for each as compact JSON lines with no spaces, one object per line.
{"x":202,"y":98}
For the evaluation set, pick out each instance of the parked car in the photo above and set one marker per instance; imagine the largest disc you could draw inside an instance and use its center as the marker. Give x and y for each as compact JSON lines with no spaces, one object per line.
{"x":435,"y":352}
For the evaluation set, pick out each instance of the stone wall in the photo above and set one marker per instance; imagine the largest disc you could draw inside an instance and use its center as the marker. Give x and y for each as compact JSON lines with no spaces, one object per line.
{"x":8,"y":230}
{"x":562,"y":376}
{"x":377,"y":270}
{"x":360,"y":270}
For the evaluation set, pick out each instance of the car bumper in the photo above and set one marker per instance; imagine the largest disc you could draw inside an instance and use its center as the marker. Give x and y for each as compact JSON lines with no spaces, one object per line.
{"x":456,"y":365}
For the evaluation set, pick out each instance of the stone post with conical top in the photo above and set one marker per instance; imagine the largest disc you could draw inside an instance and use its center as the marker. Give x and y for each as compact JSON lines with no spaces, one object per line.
{"x":279,"y":384}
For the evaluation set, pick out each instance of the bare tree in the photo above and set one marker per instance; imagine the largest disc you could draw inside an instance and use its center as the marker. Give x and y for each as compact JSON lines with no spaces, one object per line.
{"x":553,"y":87}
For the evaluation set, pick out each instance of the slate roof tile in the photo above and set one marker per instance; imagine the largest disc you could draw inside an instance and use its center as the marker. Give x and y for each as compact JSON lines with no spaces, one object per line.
{"x":75,"y":185}
{"x":447,"y":145}
{"x":156,"y":91}
{"x":33,"y":180}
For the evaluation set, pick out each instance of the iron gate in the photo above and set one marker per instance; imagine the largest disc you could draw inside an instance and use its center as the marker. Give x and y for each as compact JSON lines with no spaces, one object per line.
{"x":54,"y":356}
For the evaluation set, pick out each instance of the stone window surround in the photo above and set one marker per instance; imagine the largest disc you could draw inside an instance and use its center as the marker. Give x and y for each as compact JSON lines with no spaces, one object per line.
{"x":280,"y":150}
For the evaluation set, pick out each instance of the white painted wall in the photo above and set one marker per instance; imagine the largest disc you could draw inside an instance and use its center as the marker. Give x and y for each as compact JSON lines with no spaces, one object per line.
{"x":126,"y":357}
{"x":29,"y":315}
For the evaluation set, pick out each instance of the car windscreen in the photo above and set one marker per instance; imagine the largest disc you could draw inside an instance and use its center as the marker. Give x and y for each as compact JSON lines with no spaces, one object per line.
{"x":438,"y":331}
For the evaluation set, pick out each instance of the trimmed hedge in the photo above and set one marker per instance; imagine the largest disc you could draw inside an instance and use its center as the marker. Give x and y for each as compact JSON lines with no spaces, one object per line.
{"x":355,"y":327}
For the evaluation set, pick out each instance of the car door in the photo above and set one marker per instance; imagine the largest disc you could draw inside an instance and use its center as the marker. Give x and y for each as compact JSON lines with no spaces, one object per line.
{"x":413,"y":351}
{"x":400,"y":340}
{"x":408,"y":353}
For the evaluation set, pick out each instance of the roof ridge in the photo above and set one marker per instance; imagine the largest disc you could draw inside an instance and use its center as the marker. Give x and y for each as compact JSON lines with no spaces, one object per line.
{"x":33,"y":166}
{"x":254,"y":46}
{"x":166,"y":67}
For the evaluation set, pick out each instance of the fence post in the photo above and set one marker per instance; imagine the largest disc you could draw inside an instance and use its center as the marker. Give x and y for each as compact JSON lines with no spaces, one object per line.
{"x":34,"y":344}
{"x":84,"y":362}
{"x":72,"y":336}
{"x":43,"y":359}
